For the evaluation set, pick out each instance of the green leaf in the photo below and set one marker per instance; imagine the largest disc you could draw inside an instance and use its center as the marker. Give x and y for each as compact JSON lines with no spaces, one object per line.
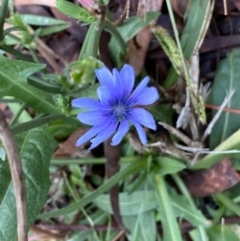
{"x":142,"y":227}
{"x":167,"y":165}
{"x":74,"y":11}
{"x":198,"y":234}
{"x":130,"y":169}
{"x":130,"y":204}
{"x":226,"y":79}
{"x":53,"y":29}
{"x":197,"y":19}
{"x":222,"y":233}
{"x":36,"y":148}
{"x":13,"y":75}
{"x":3,"y":13}
{"x":133,"y":25}
{"x":170,"y":227}
{"x":40,"y":20}
{"x":128,"y":30}
{"x":184,"y":210}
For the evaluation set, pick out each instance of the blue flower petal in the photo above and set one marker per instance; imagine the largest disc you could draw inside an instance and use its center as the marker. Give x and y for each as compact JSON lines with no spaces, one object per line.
{"x":141,"y":133}
{"x":104,"y":134}
{"x":147,"y":96}
{"x":119,"y":85}
{"x":90,"y":134}
{"x":105,"y":96}
{"x":127,"y":77}
{"x":139,"y":89}
{"x":86,"y":103}
{"x":143,"y":117}
{"x":121,"y":132}
{"x":105,"y":77}
{"x":94,"y":117}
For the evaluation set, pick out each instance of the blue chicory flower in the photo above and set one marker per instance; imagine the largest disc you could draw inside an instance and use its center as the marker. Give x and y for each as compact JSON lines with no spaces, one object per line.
{"x":117,"y":107}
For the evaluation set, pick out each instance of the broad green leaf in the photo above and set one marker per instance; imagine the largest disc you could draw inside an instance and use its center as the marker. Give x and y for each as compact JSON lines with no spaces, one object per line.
{"x":142,"y":227}
{"x":130,"y":169}
{"x":130,"y":204}
{"x":36,"y":148}
{"x":226,"y":79}
{"x":131,"y":26}
{"x":171,"y":229}
{"x":167,"y":165}
{"x":13,"y":75}
{"x":222,"y":233}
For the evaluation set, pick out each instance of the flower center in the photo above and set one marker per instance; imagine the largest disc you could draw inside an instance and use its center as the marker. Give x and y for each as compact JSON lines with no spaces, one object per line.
{"x":119,"y":110}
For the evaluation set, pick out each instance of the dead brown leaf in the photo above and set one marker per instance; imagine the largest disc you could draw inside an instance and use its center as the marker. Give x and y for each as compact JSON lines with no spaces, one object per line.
{"x":138,"y":46}
{"x":49,"y":3}
{"x":218,"y":178}
{"x":180,"y":7}
{"x":68,"y":147}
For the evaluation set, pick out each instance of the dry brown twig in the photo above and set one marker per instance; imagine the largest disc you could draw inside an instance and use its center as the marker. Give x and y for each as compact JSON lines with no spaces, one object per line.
{"x":14,"y":160}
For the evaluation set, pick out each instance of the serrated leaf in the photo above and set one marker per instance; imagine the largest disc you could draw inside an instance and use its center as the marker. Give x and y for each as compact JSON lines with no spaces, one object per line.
{"x":130,"y":204}
{"x":13,"y":75}
{"x":226,"y":79}
{"x":36,"y":148}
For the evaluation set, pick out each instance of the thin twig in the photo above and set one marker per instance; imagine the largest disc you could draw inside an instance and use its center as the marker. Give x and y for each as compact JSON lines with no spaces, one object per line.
{"x":216,"y":117}
{"x":180,"y":135}
{"x":17,"y":177}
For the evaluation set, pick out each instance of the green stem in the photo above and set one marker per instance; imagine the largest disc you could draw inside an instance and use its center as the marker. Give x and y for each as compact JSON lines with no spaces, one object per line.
{"x":15,"y":52}
{"x":88,"y":161}
{"x":3,"y":13}
{"x":35,"y":123}
{"x":51,"y":88}
{"x":34,"y":55}
{"x":183,"y":189}
{"x":114,"y":32}
{"x":129,"y":170}
{"x":15,"y":118}
{"x":85,"y":43}
{"x":177,"y":38}
{"x":228,"y":203}
{"x":91,"y":42}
